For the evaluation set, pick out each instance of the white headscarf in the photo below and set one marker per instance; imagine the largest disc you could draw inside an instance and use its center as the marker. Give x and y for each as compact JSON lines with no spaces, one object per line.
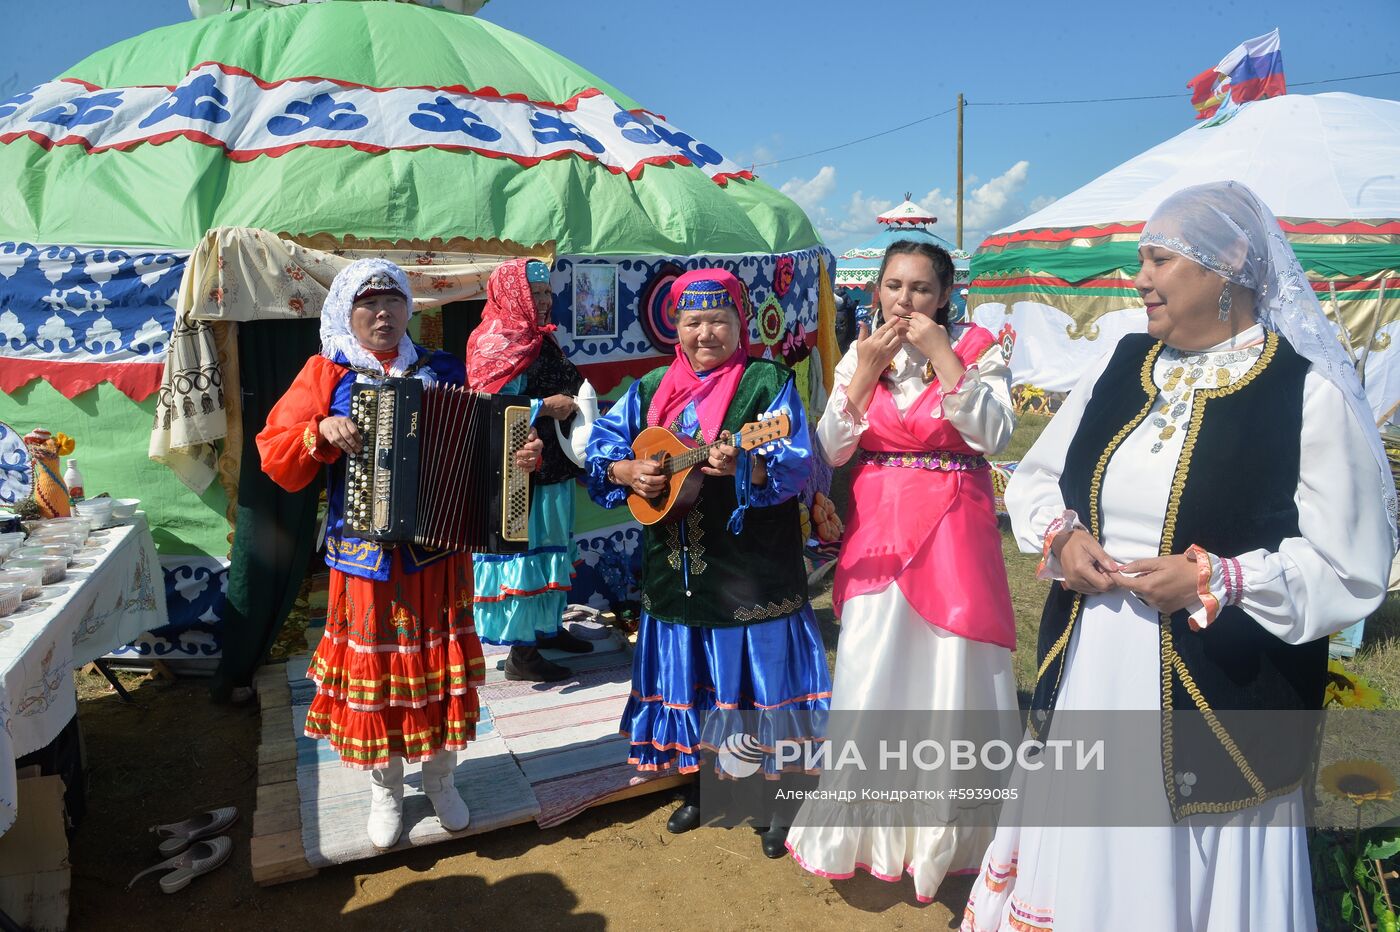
{"x":336,"y":336}
{"x":1224,"y":227}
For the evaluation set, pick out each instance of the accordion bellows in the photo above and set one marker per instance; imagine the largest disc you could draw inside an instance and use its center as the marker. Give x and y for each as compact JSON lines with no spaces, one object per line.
{"x":437,"y":467}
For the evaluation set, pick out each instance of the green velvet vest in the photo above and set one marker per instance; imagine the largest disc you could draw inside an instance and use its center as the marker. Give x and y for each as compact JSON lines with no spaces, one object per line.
{"x":696,"y":572}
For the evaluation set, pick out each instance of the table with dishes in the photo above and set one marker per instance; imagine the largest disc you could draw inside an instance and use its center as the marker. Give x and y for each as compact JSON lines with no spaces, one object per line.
{"x":71,"y":591}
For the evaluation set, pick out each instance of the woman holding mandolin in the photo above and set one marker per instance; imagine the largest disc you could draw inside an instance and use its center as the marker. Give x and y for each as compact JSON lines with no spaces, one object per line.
{"x":920,"y":587}
{"x":725,"y":623}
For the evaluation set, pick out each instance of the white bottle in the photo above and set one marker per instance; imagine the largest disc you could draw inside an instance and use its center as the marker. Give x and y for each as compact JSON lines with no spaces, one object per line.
{"x":74,"y":480}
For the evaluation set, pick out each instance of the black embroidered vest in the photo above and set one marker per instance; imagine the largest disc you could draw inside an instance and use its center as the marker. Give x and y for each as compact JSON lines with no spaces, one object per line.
{"x":1232,"y":492}
{"x":696,"y":572}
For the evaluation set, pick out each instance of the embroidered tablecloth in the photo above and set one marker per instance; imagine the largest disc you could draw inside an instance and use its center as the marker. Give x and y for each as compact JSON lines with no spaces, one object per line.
{"x":111,"y":596}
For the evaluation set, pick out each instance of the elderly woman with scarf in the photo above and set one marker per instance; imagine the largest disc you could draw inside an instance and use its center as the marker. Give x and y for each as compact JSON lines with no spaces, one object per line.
{"x":1215,"y":502}
{"x":520,"y":598}
{"x":726,"y":624}
{"x":397,"y":669}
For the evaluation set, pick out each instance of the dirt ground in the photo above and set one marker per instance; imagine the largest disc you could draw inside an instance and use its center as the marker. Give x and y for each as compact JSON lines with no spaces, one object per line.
{"x":615,"y":867}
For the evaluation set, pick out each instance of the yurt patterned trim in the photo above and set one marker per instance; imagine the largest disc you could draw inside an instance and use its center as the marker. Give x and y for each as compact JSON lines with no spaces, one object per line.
{"x":78,"y":316}
{"x":226,"y":107}
{"x":195,"y":593}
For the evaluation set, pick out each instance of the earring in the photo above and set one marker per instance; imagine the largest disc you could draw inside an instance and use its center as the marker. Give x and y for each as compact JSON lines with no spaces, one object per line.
{"x":1225,"y":303}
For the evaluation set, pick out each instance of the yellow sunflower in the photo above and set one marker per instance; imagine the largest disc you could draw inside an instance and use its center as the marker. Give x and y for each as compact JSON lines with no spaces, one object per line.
{"x":1346,"y":690}
{"x":1360,"y":781}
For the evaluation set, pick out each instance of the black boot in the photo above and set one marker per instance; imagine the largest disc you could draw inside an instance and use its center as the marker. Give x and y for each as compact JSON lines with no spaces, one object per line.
{"x":563,"y":640}
{"x":525,"y":663}
{"x":687,"y":816}
{"x":774,"y":841}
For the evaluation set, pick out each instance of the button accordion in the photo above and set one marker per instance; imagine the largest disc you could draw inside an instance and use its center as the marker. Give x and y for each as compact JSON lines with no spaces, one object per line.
{"x":437,"y":467}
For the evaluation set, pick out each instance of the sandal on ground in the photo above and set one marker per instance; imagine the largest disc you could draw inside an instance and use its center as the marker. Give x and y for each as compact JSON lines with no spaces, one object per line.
{"x":177,"y":836}
{"x":200,"y":858}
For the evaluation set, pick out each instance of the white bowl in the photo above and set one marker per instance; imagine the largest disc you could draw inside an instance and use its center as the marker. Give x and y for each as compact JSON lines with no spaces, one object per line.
{"x":96,"y":510}
{"x":123,"y":508}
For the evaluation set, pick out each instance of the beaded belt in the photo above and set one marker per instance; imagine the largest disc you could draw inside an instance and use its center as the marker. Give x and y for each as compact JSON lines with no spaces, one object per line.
{"x":944,"y":460}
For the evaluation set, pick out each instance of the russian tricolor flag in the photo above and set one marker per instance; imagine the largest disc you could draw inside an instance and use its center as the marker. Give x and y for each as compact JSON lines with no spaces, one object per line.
{"x":1252,"y":71}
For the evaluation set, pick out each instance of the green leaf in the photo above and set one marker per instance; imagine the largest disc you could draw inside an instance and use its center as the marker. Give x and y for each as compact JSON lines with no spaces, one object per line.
{"x":1348,"y":906}
{"x":1382,"y":847}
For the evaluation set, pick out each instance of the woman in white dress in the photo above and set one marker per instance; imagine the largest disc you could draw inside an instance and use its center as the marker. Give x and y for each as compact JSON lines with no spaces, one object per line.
{"x":920,"y":587}
{"x":1214,"y":499}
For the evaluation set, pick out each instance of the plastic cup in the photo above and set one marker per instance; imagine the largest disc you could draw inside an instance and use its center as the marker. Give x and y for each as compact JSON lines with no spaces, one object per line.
{"x":52,"y":568}
{"x":11,"y":594}
{"x":29,"y":579}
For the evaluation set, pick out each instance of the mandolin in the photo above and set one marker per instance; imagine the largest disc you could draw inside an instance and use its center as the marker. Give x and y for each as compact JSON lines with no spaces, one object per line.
{"x":681,"y":459}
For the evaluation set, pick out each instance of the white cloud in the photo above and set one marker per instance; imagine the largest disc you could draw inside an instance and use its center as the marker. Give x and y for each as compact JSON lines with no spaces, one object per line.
{"x":809,"y":193}
{"x":987,"y":206}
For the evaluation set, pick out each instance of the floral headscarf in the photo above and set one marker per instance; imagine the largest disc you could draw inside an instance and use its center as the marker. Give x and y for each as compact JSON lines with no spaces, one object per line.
{"x":508,"y":339}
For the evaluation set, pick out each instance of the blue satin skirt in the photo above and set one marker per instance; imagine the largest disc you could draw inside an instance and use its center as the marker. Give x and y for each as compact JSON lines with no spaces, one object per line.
{"x":685,"y":679}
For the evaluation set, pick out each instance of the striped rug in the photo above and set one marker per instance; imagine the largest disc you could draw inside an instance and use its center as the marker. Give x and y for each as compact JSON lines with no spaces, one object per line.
{"x":565,"y":735}
{"x":543,"y":751}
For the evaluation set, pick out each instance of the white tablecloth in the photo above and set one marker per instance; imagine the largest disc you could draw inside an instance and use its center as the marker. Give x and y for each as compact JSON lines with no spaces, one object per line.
{"x":108,"y":599}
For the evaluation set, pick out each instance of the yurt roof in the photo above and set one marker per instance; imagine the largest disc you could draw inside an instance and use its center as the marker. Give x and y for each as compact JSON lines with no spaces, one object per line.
{"x":297,"y":120}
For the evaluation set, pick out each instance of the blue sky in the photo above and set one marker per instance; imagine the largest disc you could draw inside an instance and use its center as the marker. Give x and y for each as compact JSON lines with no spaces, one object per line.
{"x":763,"y":80}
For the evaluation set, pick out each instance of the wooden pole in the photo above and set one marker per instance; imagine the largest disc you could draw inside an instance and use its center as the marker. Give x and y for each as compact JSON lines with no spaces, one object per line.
{"x":960,"y":171}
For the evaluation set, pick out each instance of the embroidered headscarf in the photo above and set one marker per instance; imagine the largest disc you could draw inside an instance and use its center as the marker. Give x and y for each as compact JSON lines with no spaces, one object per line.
{"x":508,"y":339}
{"x":338,"y":340}
{"x":1226,"y":228}
{"x":703,"y":289}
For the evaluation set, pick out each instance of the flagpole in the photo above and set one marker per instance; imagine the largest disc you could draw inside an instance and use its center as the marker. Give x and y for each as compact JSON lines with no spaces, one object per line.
{"x":960,"y":172}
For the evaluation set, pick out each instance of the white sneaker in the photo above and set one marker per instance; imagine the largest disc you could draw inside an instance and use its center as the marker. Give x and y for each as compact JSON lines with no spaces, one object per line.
{"x":451,"y":811}
{"x":386,"y":804}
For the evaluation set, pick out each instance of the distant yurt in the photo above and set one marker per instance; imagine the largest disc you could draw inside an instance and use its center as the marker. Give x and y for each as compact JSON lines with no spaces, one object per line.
{"x":1324,"y":163}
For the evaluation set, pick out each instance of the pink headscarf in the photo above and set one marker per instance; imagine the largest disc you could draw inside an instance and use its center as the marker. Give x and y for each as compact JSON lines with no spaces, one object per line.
{"x":508,"y":339}
{"x":682,"y":384}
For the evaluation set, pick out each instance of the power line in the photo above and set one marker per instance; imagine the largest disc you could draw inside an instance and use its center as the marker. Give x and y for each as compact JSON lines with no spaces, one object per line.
{"x":1050,"y":103}
{"x":1355,"y":77}
{"x":1040,"y":103}
{"x":793,"y":158}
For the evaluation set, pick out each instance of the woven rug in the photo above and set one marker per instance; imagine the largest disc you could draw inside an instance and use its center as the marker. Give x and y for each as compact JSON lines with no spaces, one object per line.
{"x":543,"y":751}
{"x":335,"y":799}
{"x":564,"y":736}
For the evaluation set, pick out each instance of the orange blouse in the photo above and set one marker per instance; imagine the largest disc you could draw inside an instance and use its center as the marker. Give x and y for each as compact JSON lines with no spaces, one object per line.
{"x":291,"y":446}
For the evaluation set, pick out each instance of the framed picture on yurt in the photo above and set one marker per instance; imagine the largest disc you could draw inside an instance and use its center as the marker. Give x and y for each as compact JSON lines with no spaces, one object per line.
{"x":595,"y":301}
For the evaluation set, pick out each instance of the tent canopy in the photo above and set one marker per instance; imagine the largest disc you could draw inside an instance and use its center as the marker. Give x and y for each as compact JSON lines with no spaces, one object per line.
{"x":1323,"y":163}
{"x":262,"y":117}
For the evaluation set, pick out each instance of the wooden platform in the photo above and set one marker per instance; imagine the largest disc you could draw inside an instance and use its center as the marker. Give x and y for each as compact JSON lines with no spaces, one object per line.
{"x":278,"y":852}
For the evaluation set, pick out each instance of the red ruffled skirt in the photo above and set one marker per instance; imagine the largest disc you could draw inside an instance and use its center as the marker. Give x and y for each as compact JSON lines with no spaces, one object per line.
{"x":397,"y":670}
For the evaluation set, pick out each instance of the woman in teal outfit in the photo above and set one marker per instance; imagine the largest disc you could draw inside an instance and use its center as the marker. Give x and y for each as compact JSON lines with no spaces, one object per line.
{"x":520,"y":598}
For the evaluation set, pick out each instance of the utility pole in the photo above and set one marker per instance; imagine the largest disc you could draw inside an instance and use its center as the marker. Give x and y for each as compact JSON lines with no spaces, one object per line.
{"x":960,"y":173}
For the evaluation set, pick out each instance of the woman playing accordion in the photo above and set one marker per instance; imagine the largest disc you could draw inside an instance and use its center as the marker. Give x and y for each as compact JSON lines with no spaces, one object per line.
{"x":397,"y":670}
